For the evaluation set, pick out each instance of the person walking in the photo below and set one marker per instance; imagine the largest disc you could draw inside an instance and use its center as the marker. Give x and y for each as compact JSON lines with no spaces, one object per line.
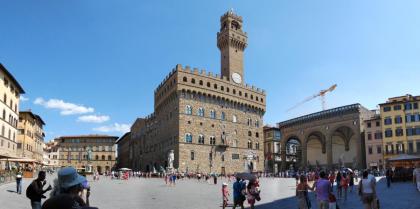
{"x":19,"y":176}
{"x":322,"y":189}
{"x":367,"y":191}
{"x":416,"y":176}
{"x":252,"y":192}
{"x":388,"y":175}
{"x":344,"y":184}
{"x":351,"y":181}
{"x":331,"y":177}
{"x":302,"y":193}
{"x":35,"y":191}
{"x":238,"y":195}
{"x":338,"y":181}
{"x":225,"y":193}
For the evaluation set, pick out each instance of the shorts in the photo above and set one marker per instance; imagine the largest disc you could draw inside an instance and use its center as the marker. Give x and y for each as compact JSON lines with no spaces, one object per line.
{"x":367,"y":198}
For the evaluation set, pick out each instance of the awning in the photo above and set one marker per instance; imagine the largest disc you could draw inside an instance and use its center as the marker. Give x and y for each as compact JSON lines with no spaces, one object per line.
{"x":20,"y":160}
{"x":404,"y":157}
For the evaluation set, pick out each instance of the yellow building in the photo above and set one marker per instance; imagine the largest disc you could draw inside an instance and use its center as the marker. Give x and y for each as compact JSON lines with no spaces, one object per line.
{"x":10,"y":91}
{"x":401,"y":126}
{"x":31,"y":135}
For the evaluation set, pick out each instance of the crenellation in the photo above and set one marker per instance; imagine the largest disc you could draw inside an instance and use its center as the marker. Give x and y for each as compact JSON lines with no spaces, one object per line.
{"x":187,"y":68}
{"x":203,"y":72}
{"x":195,"y":71}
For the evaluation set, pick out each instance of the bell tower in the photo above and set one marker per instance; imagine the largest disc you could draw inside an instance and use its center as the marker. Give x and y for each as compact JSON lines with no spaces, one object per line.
{"x":231,"y":41}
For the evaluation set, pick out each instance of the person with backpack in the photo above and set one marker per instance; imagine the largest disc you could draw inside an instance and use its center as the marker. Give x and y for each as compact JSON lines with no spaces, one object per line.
{"x":35,"y":191}
{"x":238,"y":194}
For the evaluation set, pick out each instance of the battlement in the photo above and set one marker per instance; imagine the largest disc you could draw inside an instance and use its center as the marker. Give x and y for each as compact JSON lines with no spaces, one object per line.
{"x":232,"y":15}
{"x":203,"y":73}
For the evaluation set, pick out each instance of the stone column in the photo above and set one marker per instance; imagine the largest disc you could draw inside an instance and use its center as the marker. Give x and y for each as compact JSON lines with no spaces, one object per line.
{"x":283,"y":156}
{"x":304,"y":160}
{"x":329,"y":151}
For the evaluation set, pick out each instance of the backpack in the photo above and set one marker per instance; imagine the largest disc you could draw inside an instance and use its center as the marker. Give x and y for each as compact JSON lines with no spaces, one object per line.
{"x":30,"y":192}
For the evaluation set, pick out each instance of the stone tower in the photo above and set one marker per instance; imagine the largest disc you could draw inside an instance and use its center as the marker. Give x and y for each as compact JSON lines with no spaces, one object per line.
{"x":231,"y":41}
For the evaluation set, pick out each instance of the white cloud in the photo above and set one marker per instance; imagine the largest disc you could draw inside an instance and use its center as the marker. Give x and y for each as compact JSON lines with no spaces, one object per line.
{"x":116,"y":127}
{"x":23,"y":99}
{"x":64,"y":107}
{"x":93,"y":118}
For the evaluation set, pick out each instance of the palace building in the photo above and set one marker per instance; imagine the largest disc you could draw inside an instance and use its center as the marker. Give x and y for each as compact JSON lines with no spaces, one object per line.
{"x":204,"y":122}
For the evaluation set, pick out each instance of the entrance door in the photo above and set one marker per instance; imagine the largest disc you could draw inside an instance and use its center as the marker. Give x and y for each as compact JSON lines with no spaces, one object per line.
{"x":223,"y":171}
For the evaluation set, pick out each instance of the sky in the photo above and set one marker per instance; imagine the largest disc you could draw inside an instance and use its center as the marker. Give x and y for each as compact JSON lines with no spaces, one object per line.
{"x":91,"y":67}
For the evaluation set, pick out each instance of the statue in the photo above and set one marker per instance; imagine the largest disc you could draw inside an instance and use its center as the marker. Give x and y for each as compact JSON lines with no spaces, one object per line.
{"x":171,"y":158}
{"x":89,"y":154}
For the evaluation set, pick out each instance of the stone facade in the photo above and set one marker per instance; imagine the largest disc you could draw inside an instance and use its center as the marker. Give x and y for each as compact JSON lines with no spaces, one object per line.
{"x":87,"y":152}
{"x":330,"y":138}
{"x":373,"y":143}
{"x":30,"y":143}
{"x":123,"y":147}
{"x":212,"y":123}
{"x":9,"y":113}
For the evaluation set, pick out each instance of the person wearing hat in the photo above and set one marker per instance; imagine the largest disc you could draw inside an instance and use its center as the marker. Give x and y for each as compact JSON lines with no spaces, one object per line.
{"x":225,"y":193}
{"x":64,"y":201}
{"x":71,"y":183}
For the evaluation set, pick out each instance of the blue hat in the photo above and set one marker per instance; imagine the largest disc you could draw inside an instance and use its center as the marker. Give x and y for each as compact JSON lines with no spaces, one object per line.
{"x":68,"y":177}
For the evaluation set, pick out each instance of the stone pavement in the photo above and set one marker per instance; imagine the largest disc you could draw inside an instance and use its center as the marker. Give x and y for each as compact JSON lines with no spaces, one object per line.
{"x":190,"y":194}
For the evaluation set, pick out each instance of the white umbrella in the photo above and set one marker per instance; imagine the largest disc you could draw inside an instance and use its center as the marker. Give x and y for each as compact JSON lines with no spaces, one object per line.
{"x":125,"y":169}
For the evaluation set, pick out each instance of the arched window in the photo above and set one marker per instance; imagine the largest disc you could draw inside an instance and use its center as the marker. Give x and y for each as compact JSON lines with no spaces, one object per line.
{"x":215,"y":86}
{"x":109,"y":157}
{"x":184,"y":79}
{"x":208,"y":84}
{"x":249,"y":144}
{"x":103,"y":157}
{"x":192,"y":155}
{"x":249,"y":133}
{"x":212,"y":140}
{"x":234,"y":119}
{"x":96,"y":157}
{"x":201,"y":139}
{"x":201,"y":82}
{"x":246,"y":95}
{"x":212,"y":114}
{"x":249,"y":121}
{"x":193,"y":80}
{"x":257,"y":145}
{"x":188,"y":138}
{"x":257,"y":134}
{"x":227,"y":89}
{"x":257,"y":123}
{"x":223,"y":116}
{"x":188,"y":110}
{"x":200,"y":112}
{"x":240,"y":93}
{"x":252,"y":97}
{"x":222,"y":88}
{"x":262,"y":100}
{"x":234,"y":91}
{"x":256,"y":98}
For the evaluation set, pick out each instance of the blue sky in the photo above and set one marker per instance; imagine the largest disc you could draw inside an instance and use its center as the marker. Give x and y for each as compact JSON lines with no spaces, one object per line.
{"x":92,"y":66}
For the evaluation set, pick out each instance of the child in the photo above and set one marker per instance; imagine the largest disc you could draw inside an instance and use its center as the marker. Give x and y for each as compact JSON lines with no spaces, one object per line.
{"x":332,"y":202}
{"x":225,"y":193}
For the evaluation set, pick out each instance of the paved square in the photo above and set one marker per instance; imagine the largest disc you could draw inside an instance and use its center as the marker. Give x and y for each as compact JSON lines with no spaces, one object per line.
{"x":191,"y":194}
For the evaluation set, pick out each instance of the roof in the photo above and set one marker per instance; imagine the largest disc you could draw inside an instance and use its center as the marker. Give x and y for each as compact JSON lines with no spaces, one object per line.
{"x":348,"y":109}
{"x":19,"y":87}
{"x":93,"y":136}
{"x":35,"y":116}
{"x":404,"y":157}
{"x":124,"y":137}
{"x":401,"y":99}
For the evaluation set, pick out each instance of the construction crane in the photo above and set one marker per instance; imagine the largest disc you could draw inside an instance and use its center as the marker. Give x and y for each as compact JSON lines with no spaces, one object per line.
{"x":321,"y":94}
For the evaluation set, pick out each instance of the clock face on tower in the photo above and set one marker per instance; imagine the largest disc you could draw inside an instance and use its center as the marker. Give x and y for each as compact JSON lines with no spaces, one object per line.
{"x":236,"y":78}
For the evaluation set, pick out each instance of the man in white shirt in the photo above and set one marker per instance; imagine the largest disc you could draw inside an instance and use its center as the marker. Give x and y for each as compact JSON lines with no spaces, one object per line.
{"x":416,"y":176}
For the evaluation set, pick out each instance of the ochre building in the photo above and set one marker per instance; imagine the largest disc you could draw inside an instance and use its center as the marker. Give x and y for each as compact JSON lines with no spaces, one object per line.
{"x":30,"y":140}
{"x":87,"y":152}
{"x":204,"y":122}
{"x":401,"y":126}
